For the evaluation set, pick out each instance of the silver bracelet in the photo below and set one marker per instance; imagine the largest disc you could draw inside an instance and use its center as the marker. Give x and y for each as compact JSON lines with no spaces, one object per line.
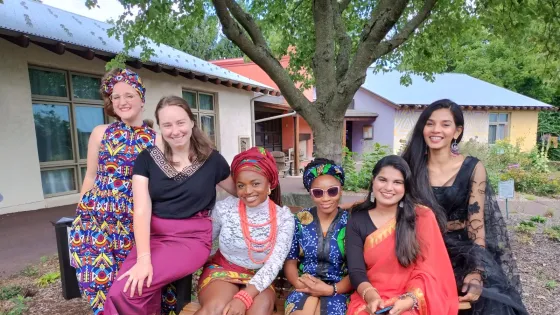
{"x":413,"y":297}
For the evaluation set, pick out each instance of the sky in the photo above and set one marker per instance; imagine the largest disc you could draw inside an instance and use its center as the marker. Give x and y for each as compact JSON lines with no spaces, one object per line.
{"x":108,"y":9}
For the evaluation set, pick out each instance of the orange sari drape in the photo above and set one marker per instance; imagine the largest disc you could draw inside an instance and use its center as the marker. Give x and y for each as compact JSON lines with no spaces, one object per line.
{"x":430,"y":278}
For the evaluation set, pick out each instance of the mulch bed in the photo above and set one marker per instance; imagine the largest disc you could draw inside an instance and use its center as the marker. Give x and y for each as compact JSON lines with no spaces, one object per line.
{"x":538,"y":259}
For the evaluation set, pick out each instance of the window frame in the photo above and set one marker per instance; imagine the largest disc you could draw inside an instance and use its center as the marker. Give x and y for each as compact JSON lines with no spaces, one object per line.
{"x":497,"y":123}
{"x":77,"y":162}
{"x":197,"y":112}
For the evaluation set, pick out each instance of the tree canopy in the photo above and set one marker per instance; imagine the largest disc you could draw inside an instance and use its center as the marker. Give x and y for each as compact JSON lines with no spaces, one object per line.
{"x":331,"y":43}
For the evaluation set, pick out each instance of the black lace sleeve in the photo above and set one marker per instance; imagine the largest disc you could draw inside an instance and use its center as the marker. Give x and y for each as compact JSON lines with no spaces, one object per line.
{"x":475,"y":223}
{"x":497,"y":239}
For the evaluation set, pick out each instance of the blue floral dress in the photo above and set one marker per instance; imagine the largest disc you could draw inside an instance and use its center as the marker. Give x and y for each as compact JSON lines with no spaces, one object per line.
{"x":321,"y":255}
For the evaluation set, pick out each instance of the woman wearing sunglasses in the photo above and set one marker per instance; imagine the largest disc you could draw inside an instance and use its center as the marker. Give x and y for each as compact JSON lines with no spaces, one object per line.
{"x":316,"y":264}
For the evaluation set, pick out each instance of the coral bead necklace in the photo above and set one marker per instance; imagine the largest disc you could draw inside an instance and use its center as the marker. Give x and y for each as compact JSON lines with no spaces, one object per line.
{"x":252,"y":244}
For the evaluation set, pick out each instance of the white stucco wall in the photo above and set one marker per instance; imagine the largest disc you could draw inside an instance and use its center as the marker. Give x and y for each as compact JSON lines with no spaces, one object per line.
{"x":20,"y":178}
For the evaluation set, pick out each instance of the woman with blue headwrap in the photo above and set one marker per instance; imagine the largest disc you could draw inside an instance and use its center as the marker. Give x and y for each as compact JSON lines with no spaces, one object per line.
{"x":316,"y":264}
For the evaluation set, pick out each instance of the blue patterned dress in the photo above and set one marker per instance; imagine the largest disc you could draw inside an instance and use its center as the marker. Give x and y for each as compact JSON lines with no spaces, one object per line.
{"x":320,"y":256}
{"x":101,"y":235}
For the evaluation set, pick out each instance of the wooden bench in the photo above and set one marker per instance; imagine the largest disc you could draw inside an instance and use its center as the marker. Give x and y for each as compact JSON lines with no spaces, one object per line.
{"x":194,"y":306}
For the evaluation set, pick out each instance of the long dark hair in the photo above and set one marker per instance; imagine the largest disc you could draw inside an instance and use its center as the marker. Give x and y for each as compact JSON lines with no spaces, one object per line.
{"x":201,"y":145}
{"x":407,"y":247}
{"x":416,"y":154}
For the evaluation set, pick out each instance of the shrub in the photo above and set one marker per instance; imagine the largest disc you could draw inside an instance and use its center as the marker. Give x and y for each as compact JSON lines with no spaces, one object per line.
{"x":526,"y":227}
{"x":10,"y":292}
{"x":356,"y":180}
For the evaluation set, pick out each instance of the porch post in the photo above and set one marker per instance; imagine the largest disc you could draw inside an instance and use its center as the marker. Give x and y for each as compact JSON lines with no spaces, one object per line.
{"x":296,"y":145}
{"x":344,"y":133}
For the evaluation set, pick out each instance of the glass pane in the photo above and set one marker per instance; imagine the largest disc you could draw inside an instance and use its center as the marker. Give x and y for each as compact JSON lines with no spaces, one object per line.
{"x":493,"y":117}
{"x":190,"y":97}
{"x":492,"y":134}
{"x":206,"y":101}
{"x":207,"y":125}
{"x":52,"y":128}
{"x":58,"y":181}
{"x":259,"y":127}
{"x":86,"y":87}
{"x":87,"y":117}
{"x":47,"y":83}
{"x":259,"y":139}
{"x":503,"y":118}
{"x":83,"y":170}
{"x":501,"y":134}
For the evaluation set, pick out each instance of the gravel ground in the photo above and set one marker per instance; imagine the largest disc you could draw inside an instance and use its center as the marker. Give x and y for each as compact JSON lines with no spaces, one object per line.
{"x":538,"y":259}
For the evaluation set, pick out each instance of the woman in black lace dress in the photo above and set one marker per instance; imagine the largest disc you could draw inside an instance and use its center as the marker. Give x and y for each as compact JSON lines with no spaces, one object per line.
{"x":457,"y":188}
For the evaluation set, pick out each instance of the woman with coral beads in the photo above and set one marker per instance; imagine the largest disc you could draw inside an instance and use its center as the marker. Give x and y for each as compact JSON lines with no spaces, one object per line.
{"x":316,"y":264}
{"x":254,"y":234}
{"x":101,"y":235}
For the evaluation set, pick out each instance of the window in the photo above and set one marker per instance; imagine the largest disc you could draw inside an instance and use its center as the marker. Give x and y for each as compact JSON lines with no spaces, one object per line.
{"x":498,"y":127}
{"x":204,"y":110}
{"x":66,"y":108}
{"x":268,"y":134}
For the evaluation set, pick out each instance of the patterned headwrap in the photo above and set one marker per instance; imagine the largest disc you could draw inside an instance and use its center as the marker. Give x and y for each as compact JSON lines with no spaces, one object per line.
{"x":127,"y":76}
{"x":258,"y":160}
{"x":323,"y":169}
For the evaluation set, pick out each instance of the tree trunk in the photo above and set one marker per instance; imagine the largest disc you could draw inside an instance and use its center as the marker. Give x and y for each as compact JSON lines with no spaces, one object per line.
{"x":327,"y":135}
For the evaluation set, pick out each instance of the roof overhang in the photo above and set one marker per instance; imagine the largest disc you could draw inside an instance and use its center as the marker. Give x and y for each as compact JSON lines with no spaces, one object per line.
{"x":484,"y":107}
{"x":60,"y":48}
{"x":357,"y":115}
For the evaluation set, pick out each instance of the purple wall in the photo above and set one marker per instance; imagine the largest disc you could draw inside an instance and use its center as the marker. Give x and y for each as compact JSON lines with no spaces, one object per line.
{"x":383,"y":127}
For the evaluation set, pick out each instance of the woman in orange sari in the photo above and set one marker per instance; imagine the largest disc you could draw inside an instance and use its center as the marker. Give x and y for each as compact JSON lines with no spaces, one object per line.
{"x":397,"y":260}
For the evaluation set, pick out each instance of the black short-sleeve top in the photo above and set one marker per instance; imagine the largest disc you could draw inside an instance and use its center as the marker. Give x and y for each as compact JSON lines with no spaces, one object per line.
{"x":180,"y":194}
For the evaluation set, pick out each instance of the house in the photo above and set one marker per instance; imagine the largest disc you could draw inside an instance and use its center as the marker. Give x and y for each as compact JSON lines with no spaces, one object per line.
{"x":491,"y":112}
{"x":52,"y":63}
{"x":289,"y":131}
{"x":385,"y":111}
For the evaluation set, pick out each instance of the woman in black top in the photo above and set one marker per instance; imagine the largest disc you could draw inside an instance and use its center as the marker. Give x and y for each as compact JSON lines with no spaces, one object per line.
{"x":174,"y":189}
{"x":396,"y":255}
{"x":457,"y":188}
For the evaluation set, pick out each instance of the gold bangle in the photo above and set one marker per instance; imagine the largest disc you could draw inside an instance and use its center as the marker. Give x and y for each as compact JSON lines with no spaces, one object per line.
{"x":366,"y":290}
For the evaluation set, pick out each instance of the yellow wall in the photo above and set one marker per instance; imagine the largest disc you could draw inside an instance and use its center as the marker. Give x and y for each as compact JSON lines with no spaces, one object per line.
{"x":523,"y":128}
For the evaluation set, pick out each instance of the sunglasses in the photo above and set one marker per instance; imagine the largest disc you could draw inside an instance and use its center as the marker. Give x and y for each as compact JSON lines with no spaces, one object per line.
{"x":331,"y":191}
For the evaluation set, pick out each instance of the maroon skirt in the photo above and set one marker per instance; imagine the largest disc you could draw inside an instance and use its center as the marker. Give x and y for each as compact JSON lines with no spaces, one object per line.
{"x":178,"y":248}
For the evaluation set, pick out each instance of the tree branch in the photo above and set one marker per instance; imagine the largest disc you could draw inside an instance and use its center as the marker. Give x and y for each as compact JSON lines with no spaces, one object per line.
{"x":324,"y":60}
{"x":261,"y":56}
{"x":247,"y":22}
{"x":387,"y":46}
{"x":344,"y":42}
{"x":384,"y":17}
{"x":343,"y":5}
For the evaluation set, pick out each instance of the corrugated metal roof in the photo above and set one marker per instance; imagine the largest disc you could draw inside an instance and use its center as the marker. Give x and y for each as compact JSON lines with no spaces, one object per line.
{"x":37,"y":19}
{"x":460,"y":88}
